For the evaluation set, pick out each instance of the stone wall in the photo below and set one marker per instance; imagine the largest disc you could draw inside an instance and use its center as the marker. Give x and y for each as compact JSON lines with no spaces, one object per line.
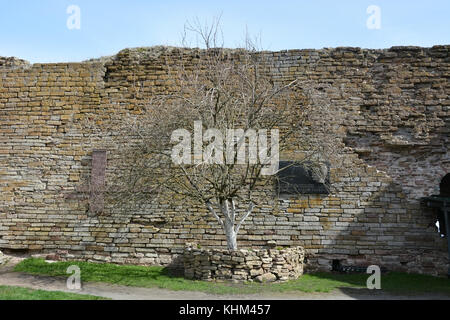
{"x":260,"y":265}
{"x":390,"y":113}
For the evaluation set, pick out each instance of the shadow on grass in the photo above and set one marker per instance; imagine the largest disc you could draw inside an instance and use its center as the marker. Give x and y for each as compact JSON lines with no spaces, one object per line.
{"x":155,"y":276}
{"x":391,"y":282}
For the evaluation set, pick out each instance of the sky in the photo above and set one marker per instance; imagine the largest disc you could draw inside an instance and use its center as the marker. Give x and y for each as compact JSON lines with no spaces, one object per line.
{"x":52,"y":31}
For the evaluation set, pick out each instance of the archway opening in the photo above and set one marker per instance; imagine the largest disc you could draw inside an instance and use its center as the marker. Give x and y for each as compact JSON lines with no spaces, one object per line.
{"x":444,"y":191}
{"x":444,"y":186}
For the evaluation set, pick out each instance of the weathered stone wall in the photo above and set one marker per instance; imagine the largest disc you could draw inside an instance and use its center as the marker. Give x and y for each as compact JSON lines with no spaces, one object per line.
{"x":260,"y":265}
{"x":391,"y":118}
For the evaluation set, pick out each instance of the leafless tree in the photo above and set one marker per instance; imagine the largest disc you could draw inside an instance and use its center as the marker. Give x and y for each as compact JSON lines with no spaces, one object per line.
{"x":225,"y":89}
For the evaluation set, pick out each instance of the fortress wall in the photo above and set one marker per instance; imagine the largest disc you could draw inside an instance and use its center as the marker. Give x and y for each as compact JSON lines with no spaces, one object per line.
{"x":390,"y":110}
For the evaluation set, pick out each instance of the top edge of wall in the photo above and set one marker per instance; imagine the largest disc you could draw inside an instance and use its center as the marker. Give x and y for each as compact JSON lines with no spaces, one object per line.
{"x":154,"y":52}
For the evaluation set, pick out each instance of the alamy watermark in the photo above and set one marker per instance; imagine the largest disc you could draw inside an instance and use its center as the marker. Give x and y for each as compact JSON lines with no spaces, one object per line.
{"x":374,"y":281}
{"x":374,"y":20}
{"x":74,"y":20}
{"x":74,"y":281}
{"x":228,"y":147}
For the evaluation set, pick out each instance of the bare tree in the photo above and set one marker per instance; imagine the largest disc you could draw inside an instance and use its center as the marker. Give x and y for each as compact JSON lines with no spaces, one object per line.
{"x":225,"y":89}
{"x":208,"y":34}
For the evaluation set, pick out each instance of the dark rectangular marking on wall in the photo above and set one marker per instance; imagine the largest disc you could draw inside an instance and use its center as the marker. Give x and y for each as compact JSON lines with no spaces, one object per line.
{"x":98,"y":179}
{"x":296,"y":179}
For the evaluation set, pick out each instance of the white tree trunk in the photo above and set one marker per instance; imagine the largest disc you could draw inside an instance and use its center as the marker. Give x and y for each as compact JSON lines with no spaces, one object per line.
{"x":229,"y":224}
{"x":231,"y":235}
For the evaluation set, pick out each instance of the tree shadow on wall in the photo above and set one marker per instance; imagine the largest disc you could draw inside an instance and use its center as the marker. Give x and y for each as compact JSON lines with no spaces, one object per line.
{"x":386,"y":229}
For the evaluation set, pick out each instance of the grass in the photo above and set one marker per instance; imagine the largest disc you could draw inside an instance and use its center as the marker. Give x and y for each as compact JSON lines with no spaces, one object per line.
{"x":141,"y":276}
{"x":18,"y":293}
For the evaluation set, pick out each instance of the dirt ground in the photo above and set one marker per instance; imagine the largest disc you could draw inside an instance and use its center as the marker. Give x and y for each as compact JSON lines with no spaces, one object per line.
{"x":119,"y":292}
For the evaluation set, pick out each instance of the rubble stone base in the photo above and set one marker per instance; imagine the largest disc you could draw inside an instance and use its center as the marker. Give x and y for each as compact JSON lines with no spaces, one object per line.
{"x":262,"y":265}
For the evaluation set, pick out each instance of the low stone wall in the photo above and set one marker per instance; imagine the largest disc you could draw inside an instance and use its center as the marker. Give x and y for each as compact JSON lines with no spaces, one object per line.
{"x":262,"y":265}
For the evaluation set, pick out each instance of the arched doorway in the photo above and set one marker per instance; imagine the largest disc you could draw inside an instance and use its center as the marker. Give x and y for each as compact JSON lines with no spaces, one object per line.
{"x":444,"y":186}
{"x":441,"y":203}
{"x":444,"y":192}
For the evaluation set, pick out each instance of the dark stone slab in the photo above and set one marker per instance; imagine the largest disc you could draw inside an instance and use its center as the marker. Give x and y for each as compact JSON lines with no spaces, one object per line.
{"x":294,"y":178}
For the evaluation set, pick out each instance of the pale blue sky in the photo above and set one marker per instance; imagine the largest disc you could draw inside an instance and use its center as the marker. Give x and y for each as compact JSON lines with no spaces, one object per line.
{"x":36,"y":30}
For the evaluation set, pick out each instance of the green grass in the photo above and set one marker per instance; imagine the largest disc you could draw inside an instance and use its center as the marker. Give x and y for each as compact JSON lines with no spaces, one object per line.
{"x":18,"y":293}
{"x":141,"y":276}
